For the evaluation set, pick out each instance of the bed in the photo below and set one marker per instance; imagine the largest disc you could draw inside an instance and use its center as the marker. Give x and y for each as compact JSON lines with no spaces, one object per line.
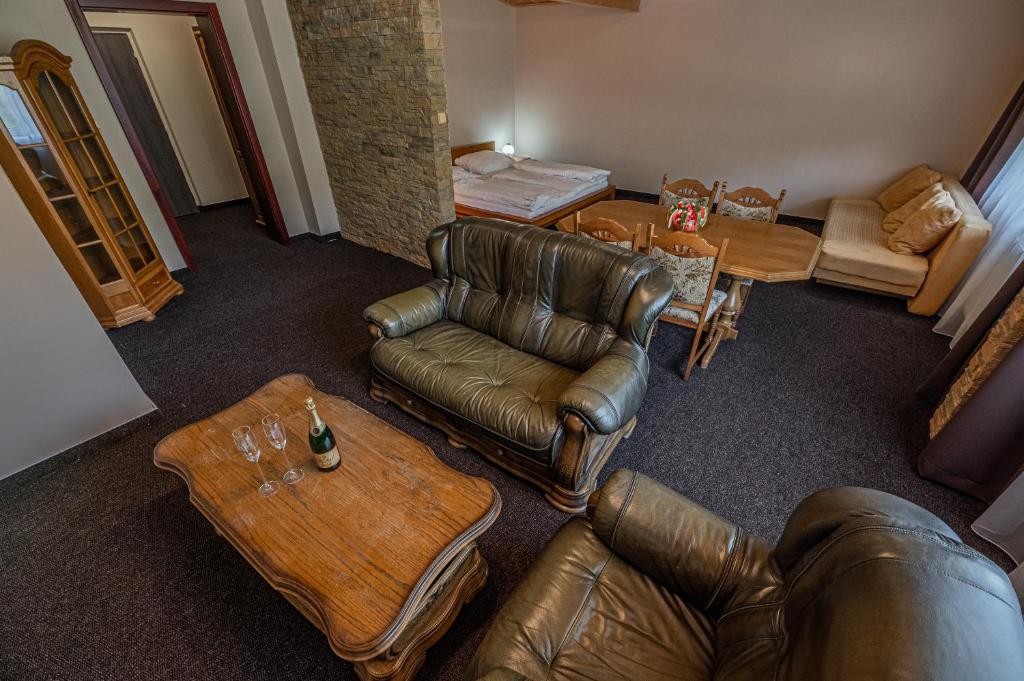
{"x":524,"y":193}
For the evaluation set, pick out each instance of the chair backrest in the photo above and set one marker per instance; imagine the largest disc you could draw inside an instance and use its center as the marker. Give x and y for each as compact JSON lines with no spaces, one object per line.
{"x":563,"y":297}
{"x":750,"y":203}
{"x":691,"y":191}
{"x":878,"y":588}
{"x":608,"y":231}
{"x":694,"y":265}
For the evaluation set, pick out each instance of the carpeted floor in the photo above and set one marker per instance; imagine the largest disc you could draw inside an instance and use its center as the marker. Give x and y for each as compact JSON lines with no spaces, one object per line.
{"x":109,"y":573}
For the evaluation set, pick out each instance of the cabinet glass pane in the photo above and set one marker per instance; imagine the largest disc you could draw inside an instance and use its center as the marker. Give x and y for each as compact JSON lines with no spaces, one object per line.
{"x":71,"y":106}
{"x":16,"y":119}
{"x":99,"y":161}
{"x":109,"y":213}
{"x":100,"y":263}
{"x":145,"y":249}
{"x":54,"y":110}
{"x":75,"y":221}
{"x":47,"y":173}
{"x":121,"y":203}
{"x":124,"y":240}
{"x":84,"y":165}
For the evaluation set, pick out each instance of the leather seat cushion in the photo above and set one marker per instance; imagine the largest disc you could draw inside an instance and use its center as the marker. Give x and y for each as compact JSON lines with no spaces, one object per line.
{"x":853,"y":243}
{"x":510,"y":393}
{"x":584,"y":613}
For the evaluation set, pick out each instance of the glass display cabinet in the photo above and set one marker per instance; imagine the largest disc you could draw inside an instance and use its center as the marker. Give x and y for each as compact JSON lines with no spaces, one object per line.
{"x":60,"y":166}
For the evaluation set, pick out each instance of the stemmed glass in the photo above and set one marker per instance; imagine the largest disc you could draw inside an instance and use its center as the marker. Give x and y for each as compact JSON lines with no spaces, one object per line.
{"x":246,"y":443}
{"x":276,"y":434}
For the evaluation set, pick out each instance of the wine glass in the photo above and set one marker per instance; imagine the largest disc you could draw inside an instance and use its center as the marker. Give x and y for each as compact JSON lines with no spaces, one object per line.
{"x":276,"y":434}
{"x":246,"y":443}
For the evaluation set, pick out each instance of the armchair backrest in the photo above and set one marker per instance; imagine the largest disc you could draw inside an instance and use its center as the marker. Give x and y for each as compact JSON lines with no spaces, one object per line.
{"x":563,"y":297}
{"x":876,"y":587}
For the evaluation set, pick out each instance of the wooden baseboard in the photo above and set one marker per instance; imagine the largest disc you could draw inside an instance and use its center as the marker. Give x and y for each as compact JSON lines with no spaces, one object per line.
{"x":224,"y":204}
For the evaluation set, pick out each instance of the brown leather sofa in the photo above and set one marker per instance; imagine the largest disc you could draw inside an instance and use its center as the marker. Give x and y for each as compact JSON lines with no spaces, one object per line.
{"x":529,"y":346}
{"x":862,"y":586}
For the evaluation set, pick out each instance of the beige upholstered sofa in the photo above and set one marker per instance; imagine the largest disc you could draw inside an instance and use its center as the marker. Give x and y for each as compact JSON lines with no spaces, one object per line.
{"x":854,"y":252}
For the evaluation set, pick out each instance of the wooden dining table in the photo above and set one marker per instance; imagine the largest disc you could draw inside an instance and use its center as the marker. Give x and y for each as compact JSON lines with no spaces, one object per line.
{"x":758,"y":251}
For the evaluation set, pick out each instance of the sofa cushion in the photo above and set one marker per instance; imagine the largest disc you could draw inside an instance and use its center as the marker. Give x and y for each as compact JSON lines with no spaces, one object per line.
{"x":853,"y":243}
{"x":895,"y":219}
{"x":907,"y":187}
{"x":508,"y":392}
{"x":928,"y":226}
{"x":582,"y":612}
{"x":563,"y":297}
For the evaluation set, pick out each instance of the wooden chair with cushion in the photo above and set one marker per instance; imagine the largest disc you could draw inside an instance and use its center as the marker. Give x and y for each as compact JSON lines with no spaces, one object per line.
{"x":691,"y":191}
{"x":694,"y":265}
{"x":749,"y":203}
{"x":609,"y":231}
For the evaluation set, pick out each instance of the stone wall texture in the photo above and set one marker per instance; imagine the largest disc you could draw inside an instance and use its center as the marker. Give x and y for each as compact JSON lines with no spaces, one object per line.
{"x":375,"y":74}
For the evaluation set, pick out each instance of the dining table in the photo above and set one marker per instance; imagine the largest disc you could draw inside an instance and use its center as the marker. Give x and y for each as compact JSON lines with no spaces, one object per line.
{"x":758,"y":251}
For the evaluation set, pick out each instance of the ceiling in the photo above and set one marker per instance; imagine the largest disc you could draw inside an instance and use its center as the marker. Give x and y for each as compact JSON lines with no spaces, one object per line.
{"x":628,"y":5}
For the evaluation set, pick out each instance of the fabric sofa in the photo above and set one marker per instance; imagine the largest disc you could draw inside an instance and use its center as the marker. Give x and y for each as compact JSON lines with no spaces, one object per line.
{"x":861,"y":585}
{"x":854,"y":252}
{"x":528,"y":346}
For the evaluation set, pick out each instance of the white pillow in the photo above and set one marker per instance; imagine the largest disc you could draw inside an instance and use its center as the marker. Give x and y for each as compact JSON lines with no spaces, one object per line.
{"x":460,"y":174}
{"x":484,"y":162}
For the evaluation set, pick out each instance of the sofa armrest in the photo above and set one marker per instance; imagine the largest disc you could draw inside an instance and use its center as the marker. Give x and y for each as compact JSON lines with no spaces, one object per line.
{"x":403,"y":313}
{"x":502,"y":674}
{"x":608,"y":394}
{"x":947,"y":264}
{"x":686,"y":548}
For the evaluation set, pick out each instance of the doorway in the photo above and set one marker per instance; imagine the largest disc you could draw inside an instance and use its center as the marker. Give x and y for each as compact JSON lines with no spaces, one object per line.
{"x":191,"y":132}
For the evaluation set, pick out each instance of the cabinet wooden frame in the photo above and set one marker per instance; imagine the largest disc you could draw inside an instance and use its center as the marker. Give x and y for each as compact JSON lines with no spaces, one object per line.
{"x":130,"y":293}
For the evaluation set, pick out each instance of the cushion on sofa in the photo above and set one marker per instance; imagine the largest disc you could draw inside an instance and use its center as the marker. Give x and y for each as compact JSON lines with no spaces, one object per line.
{"x":907,"y":187}
{"x":854,"y":244}
{"x":582,"y":612}
{"x":923,"y":230}
{"x":896,"y":218}
{"x":511,"y":393}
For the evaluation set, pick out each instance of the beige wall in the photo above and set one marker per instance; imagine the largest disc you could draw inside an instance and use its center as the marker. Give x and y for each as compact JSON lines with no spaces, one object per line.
{"x":49,"y":20}
{"x":61,"y":380}
{"x":823,"y":98}
{"x":170,"y":59}
{"x":480,"y":70}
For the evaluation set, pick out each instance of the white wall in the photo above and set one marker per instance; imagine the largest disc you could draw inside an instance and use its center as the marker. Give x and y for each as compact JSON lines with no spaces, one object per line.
{"x":480,"y":56}
{"x":168,"y":54}
{"x":49,"y":20}
{"x":61,"y":380}
{"x":823,"y":98}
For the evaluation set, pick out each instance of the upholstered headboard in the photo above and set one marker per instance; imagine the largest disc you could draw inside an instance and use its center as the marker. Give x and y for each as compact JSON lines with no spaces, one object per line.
{"x":471,"y":149}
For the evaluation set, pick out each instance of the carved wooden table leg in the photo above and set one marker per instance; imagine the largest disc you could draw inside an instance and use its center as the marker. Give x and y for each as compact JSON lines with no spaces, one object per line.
{"x":455,"y":587}
{"x":728,"y":317}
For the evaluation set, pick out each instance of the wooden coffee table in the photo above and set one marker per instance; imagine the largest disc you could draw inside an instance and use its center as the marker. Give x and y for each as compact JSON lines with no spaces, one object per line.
{"x":380,"y":554}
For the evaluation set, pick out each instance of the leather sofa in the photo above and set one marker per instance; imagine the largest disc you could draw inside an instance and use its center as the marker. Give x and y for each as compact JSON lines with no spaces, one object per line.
{"x":855,"y":252}
{"x":528,"y":346}
{"x":861,"y":586}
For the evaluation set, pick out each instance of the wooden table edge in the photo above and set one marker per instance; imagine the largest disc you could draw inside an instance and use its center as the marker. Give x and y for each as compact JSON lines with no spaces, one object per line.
{"x":291,"y":589}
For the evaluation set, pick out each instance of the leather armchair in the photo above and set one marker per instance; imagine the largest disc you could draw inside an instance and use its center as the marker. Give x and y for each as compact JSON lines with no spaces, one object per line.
{"x":862,"y":585}
{"x":528,"y":346}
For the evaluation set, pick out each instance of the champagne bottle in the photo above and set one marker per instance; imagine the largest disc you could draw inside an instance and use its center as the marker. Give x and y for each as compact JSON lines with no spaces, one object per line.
{"x":321,"y":440}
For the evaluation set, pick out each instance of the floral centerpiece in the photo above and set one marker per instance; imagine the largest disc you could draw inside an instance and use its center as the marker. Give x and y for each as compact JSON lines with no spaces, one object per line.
{"x":687,"y":217}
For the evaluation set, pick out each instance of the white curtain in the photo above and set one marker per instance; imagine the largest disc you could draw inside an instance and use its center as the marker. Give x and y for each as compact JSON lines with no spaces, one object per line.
{"x":1003,"y":205}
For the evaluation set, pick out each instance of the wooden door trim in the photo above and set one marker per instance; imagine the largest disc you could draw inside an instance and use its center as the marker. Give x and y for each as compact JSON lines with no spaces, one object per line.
{"x":78,"y":8}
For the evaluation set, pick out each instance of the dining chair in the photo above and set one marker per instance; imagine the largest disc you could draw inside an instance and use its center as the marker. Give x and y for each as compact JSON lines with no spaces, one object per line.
{"x":694,"y":265}
{"x":749,"y":203}
{"x":689,"y":191}
{"x":608,"y":231}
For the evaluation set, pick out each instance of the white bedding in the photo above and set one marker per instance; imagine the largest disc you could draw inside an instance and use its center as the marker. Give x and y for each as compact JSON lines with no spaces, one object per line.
{"x":522,"y":194}
{"x":567,"y":170}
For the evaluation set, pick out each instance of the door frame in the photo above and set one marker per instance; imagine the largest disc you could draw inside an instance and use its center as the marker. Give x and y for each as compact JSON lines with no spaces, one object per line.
{"x":78,"y":8}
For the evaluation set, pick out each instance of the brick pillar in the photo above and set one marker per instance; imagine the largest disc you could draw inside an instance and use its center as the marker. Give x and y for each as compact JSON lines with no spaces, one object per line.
{"x":375,"y":74}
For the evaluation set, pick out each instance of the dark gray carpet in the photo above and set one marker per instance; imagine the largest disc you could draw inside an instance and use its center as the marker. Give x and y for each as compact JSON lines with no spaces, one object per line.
{"x":109,"y":573}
